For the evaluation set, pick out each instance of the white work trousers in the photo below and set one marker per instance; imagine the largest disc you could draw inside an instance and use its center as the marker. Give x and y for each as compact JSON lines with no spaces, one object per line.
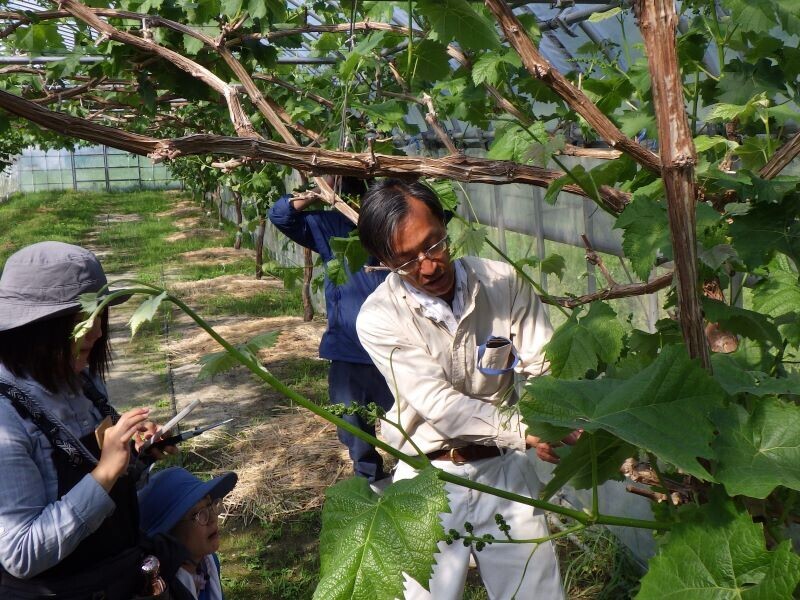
{"x":502,"y":566}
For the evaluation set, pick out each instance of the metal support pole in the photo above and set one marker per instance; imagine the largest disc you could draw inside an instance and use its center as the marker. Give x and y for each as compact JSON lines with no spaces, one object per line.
{"x":500,"y":220}
{"x":588,"y":229}
{"x":105,"y":169}
{"x":72,"y":168}
{"x":538,"y":232}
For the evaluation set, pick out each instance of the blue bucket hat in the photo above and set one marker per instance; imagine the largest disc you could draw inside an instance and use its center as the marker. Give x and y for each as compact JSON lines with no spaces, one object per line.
{"x":170,"y":494}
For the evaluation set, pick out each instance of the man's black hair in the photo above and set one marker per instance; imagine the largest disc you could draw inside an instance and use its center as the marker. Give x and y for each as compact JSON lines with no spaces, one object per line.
{"x":385,"y":206}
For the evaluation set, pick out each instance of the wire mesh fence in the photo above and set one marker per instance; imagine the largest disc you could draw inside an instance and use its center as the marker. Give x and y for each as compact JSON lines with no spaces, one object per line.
{"x":87,"y":168}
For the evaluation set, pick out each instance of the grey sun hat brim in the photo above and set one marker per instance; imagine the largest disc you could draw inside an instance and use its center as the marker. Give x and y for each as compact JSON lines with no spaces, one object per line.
{"x":44,"y":281}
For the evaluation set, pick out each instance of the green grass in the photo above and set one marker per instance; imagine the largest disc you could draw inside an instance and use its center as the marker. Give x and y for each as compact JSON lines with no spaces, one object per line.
{"x":308,"y":376}
{"x":596,"y":565}
{"x":271,"y":561}
{"x":270,"y":303}
{"x":30,"y":218}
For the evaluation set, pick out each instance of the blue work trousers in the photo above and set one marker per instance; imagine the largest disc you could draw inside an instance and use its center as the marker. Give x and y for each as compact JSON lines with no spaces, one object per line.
{"x":354,"y":383}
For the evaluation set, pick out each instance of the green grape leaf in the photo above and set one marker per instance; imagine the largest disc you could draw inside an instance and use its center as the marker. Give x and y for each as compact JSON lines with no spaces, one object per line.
{"x":735,"y":379}
{"x":555,"y":187}
{"x":664,"y":408}
{"x":634,"y":121}
{"x":216,"y":363}
{"x":492,"y":67}
{"x":744,"y":112}
{"x":446,"y":192}
{"x":779,"y":293}
{"x":760,"y":451}
{"x":555,"y":264}
{"x":220,"y":362}
{"x":764,"y":230}
{"x":716,"y":551}
{"x":385,"y":115}
{"x":581,"y":343}
{"x":231,"y":8}
{"x":336,"y":271}
{"x":145,"y":312}
{"x":741,"y":321}
{"x":264,"y":340}
{"x":471,"y":241}
{"x":290,"y":276}
{"x":192,"y":44}
{"x":432,"y":63}
{"x":513,"y":142}
{"x":369,"y":541}
{"x":705,"y":142}
{"x":349,"y":250}
{"x":758,"y":17}
{"x":457,"y":20}
{"x":645,"y":234}
{"x":89,"y":302}
{"x":575,"y":466}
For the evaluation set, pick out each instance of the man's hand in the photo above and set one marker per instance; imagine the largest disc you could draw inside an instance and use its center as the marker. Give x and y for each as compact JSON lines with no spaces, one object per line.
{"x":544,"y":450}
{"x":302,"y":200}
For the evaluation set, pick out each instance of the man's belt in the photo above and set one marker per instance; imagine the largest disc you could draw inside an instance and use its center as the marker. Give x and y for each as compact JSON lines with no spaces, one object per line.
{"x":465,"y":454}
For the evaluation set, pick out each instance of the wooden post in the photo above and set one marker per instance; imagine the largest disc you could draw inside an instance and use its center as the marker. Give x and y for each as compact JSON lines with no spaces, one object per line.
{"x":658,"y":23}
{"x":262,"y":229}
{"x":308,"y":272}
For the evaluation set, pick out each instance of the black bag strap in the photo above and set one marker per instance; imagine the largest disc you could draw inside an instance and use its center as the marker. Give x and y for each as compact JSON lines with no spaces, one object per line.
{"x":98,"y":398}
{"x":60,"y":437}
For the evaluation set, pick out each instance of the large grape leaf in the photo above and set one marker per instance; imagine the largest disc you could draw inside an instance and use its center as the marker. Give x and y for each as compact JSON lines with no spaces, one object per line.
{"x":580,"y":343}
{"x":575,"y":466}
{"x":664,"y":408}
{"x":779,"y":293}
{"x":456,"y":20}
{"x":758,"y":452}
{"x":736,"y":379}
{"x":764,"y":230}
{"x":431,"y":61}
{"x":369,"y":541}
{"x":716,"y":551}
{"x":645,"y":234}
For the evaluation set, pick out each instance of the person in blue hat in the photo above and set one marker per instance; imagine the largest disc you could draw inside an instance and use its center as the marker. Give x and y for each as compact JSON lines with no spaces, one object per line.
{"x":176,"y":502}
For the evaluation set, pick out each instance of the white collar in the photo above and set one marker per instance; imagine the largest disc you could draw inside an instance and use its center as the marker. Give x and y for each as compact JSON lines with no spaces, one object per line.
{"x":437,"y":309}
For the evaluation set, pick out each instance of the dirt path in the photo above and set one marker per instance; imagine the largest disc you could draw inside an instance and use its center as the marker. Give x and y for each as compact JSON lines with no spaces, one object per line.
{"x":285,"y":457}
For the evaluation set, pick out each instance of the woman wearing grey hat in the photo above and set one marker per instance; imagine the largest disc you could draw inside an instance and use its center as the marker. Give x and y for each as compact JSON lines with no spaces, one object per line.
{"x":69,"y":523}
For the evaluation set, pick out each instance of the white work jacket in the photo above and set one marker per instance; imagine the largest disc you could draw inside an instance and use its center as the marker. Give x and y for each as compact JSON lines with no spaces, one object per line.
{"x":442,"y":399}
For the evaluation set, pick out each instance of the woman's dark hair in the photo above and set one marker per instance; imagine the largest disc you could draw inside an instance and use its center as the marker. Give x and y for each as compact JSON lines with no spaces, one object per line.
{"x":42,"y":351}
{"x":385,"y":206}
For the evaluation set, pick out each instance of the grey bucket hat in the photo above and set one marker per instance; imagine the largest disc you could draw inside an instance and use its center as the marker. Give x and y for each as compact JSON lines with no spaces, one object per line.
{"x":44,"y":280}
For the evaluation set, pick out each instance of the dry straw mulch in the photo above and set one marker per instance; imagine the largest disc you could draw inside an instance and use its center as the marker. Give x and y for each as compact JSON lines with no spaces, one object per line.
{"x":284,"y":465}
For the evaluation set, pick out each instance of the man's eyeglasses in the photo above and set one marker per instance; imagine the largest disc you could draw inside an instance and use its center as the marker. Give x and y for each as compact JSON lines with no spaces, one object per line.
{"x":203,"y":516}
{"x":435,"y":252}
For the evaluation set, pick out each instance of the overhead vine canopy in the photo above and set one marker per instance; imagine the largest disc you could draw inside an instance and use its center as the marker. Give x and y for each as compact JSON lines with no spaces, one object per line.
{"x":691,"y":107}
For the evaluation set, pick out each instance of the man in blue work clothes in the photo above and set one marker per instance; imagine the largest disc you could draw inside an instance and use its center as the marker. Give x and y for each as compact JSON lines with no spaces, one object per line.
{"x":352,"y":378}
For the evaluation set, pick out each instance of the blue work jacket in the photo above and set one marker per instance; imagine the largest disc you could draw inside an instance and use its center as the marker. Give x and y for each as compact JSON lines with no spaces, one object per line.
{"x":313,"y":229}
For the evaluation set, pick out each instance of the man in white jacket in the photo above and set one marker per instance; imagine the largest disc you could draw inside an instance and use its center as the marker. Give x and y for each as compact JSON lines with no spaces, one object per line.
{"x":449,"y":337}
